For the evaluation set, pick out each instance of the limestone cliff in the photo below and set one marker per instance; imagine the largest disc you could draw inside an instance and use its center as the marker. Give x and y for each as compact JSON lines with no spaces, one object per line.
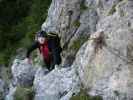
{"x":100,"y":34}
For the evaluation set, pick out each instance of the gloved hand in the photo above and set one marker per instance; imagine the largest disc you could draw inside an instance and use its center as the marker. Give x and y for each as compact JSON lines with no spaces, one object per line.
{"x":28,"y":60}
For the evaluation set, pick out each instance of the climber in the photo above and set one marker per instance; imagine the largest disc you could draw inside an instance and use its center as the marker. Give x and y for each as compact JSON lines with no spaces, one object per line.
{"x":49,"y":47}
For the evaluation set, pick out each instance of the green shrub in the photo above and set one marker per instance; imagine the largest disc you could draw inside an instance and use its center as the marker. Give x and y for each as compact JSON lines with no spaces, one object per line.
{"x":24,"y":93}
{"x":5,"y":55}
{"x":83,"y":6}
{"x":78,"y":43}
{"x":82,"y":95}
{"x":112,"y":10}
{"x":18,"y":28}
{"x":76,"y":23}
{"x":5,"y":75}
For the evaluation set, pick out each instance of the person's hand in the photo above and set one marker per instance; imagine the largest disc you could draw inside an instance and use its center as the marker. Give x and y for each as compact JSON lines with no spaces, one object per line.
{"x":28,"y":60}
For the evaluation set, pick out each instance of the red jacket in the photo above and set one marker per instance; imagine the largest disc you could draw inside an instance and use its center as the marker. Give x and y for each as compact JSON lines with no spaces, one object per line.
{"x":44,"y":50}
{"x":50,"y":50}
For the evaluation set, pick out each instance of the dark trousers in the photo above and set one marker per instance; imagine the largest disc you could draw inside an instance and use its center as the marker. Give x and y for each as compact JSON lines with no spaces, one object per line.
{"x":56,"y":60}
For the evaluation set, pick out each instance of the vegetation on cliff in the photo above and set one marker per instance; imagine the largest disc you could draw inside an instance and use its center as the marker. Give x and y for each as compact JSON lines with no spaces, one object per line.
{"x":19,"y":19}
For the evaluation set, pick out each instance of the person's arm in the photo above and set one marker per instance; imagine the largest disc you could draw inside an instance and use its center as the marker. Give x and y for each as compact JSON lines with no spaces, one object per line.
{"x":34,"y":46}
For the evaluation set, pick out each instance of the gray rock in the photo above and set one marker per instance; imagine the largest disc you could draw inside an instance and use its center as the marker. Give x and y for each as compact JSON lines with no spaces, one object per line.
{"x":66,"y":18}
{"x":2,"y":89}
{"x":105,"y":62}
{"x":59,"y":84}
{"x":103,"y":7}
{"x":88,"y":20}
{"x":11,"y":92}
{"x":23,"y":73}
{"x":61,"y":16}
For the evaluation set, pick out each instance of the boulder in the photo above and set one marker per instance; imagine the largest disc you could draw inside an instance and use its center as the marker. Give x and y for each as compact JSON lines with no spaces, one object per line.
{"x":23,"y":72}
{"x":59,"y":84}
{"x":105,"y":62}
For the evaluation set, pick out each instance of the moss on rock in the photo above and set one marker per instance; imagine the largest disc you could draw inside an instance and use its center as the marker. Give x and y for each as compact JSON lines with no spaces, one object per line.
{"x":82,"y":95}
{"x":24,"y":93}
{"x":76,"y":23}
{"x":112,"y":10}
{"x":83,"y":6}
{"x":78,"y":43}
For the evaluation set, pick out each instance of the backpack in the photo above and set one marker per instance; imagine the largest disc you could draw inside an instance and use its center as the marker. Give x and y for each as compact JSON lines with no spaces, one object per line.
{"x":55,"y":39}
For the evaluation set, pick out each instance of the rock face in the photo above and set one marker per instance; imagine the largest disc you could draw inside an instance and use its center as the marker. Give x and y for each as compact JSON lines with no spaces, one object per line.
{"x":2,"y":89}
{"x":60,"y":84}
{"x":11,"y":92}
{"x":105,"y":62}
{"x":61,"y":15}
{"x":23,"y":73}
{"x":70,"y":19}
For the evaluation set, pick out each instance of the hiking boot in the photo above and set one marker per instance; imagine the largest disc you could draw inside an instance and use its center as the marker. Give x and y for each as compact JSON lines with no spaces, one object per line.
{"x":57,"y":67}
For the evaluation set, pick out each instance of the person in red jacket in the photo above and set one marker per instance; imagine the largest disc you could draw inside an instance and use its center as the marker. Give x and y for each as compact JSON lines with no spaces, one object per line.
{"x":49,"y":47}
